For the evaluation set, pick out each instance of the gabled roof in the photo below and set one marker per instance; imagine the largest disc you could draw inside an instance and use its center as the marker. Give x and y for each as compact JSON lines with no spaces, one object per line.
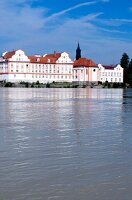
{"x":111,"y":67}
{"x":9,"y":54}
{"x":48,"y":58}
{"x":84,"y":62}
{"x":108,"y":67}
{"x":35,"y":59}
{"x":54,"y":55}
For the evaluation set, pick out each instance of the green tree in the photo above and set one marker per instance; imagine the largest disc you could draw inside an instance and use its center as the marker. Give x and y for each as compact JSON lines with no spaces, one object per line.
{"x":130,"y":65}
{"x":124,"y":62}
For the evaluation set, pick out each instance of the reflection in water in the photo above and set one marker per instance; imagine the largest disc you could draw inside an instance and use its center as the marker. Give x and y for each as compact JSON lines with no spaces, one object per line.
{"x":65,"y":144}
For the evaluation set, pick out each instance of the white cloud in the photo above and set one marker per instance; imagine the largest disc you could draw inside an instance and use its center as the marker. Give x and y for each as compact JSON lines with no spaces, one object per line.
{"x":105,"y":0}
{"x":30,"y":29}
{"x":58,"y":14}
{"x":115,"y":22}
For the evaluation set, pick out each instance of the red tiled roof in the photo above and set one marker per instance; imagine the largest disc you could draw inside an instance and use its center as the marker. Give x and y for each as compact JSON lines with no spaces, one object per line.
{"x":48,"y":58}
{"x":9,"y":54}
{"x":35,"y":59}
{"x":84,"y":62}
{"x":108,"y":67}
{"x":54,"y":55}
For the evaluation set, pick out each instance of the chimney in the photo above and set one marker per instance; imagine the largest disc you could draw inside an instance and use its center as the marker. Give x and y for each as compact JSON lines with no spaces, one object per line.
{"x":54,"y":53}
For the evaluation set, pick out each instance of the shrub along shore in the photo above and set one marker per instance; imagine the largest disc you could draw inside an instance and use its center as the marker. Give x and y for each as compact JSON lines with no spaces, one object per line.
{"x":54,"y":84}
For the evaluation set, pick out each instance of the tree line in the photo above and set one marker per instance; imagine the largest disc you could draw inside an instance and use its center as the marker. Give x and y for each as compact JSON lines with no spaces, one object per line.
{"x":126,"y":63}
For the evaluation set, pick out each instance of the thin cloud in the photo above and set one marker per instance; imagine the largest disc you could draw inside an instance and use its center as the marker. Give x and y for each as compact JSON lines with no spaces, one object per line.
{"x":69,"y":9}
{"x":113,"y":31}
{"x":114,"y":22}
{"x":29,"y":31}
{"x":105,"y":0}
{"x":90,"y":17}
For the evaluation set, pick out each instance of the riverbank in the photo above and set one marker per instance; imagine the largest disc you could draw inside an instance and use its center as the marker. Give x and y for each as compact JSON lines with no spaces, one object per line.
{"x":54,"y":84}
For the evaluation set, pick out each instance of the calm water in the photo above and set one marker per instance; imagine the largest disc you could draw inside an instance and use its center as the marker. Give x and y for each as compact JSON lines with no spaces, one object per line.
{"x":65,"y":144}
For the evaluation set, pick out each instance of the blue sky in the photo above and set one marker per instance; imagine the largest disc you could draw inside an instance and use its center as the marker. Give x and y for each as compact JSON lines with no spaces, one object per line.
{"x":102,"y":27}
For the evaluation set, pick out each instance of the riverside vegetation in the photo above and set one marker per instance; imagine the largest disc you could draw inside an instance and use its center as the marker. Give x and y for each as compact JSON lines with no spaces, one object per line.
{"x":54,"y":84}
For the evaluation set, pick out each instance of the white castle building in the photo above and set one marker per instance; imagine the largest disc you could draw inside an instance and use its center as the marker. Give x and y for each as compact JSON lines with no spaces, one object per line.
{"x":111,"y":74}
{"x":16,"y":66}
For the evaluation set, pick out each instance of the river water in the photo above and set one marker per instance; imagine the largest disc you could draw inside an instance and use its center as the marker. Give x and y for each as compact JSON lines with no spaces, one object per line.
{"x":65,"y":144}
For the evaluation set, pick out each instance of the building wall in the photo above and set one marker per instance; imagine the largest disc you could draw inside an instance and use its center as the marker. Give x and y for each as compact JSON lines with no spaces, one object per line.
{"x":111,"y":75}
{"x":85,"y":74}
{"x":93,"y":74}
{"x":19,"y":68}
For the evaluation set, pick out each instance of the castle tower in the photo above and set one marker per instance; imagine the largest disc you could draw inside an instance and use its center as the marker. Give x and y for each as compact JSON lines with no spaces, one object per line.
{"x":78,"y":52}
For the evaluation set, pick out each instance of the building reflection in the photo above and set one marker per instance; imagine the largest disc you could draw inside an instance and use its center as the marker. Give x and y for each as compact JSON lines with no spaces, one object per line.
{"x":61,"y":111}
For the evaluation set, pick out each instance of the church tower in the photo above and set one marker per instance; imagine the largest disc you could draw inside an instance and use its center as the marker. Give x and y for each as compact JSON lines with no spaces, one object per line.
{"x":78,"y":52}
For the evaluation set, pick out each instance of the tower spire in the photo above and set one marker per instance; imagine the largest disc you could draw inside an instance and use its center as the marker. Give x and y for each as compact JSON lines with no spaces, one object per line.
{"x":78,"y":52}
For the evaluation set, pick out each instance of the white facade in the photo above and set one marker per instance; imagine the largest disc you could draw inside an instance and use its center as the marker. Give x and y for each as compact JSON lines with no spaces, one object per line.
{"x":110,"y":74}
{"x":85,"y":70}
{"x":16,"y":66}
{"x":85,"y":74}
{"x":19,"y":67}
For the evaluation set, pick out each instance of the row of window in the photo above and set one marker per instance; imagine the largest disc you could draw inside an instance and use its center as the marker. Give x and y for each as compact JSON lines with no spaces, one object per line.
{"x":46,"y":76}
{"x":112,"y":80}
{"x":40,"y":66}
{"x":110,"y":74}
{"x":42,"y":69}
{"x":39,"y":71}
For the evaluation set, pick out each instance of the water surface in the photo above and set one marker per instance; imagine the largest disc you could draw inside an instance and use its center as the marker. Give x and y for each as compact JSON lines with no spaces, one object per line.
{"x":65,"y":144}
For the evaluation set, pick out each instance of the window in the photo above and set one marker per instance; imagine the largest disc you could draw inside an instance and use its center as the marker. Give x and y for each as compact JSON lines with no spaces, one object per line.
{"x":94,"y":70}
{"x":38,"y":59}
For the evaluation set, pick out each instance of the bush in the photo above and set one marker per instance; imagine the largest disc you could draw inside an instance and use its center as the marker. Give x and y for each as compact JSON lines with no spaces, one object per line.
{"x":8,"y":84}
{"x":37,"y":83}
{"x":99,"y":82}
{"x":48,"y":85}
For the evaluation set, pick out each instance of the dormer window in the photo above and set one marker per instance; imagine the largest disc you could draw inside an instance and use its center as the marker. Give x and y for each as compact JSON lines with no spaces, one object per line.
{"x":38,"y":59}
{"x":48,"y":60}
